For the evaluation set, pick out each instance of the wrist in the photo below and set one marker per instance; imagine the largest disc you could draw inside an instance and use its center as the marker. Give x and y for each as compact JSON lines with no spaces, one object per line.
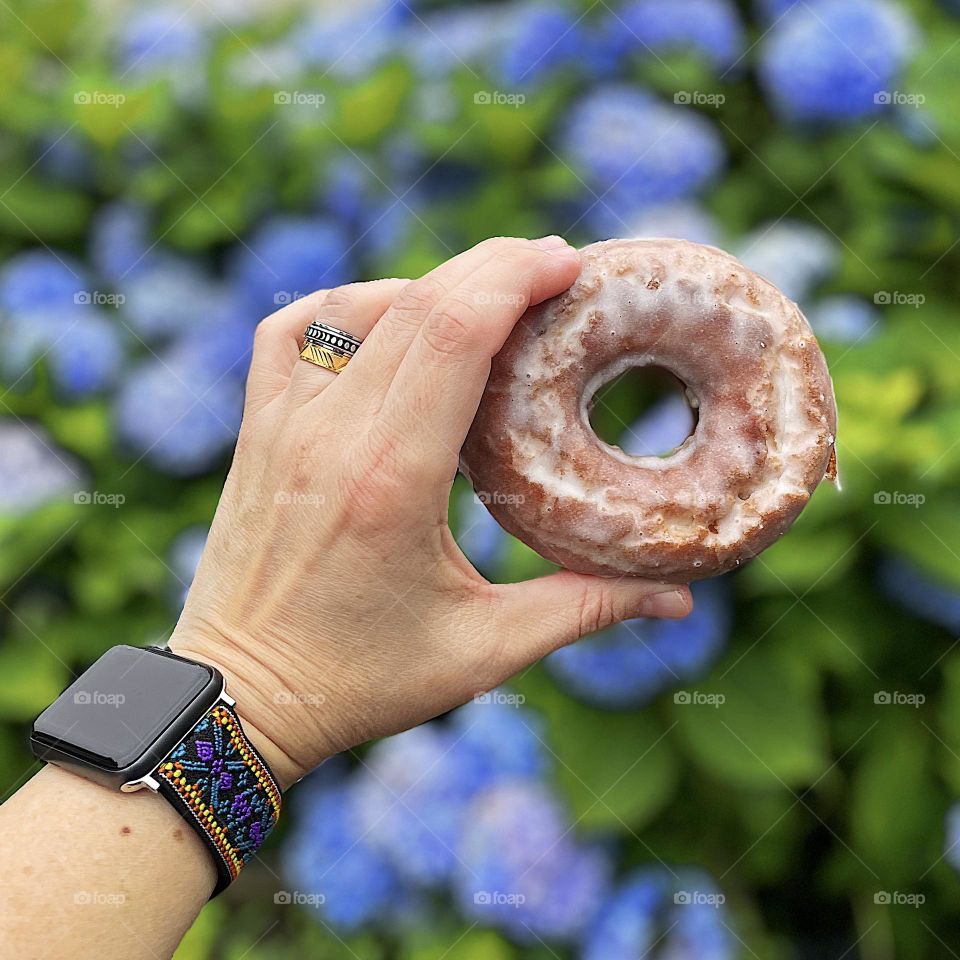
{"x":254,"y":688}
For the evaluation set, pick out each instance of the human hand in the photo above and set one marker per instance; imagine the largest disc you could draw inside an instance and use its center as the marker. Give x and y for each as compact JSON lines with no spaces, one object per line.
{"x":331,"y":593}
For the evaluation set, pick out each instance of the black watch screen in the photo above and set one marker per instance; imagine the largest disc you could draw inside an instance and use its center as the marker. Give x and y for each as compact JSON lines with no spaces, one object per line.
{"x":125,"y":713}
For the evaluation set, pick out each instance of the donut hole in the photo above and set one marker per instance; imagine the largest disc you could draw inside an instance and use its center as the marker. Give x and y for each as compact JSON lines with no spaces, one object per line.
{"x":644,"y":411}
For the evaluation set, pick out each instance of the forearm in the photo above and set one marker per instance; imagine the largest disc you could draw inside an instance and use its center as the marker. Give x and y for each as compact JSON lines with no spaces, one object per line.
{"x":92,"y":872}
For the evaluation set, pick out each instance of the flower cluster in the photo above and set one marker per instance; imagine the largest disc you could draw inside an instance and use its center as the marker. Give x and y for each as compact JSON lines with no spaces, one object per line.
{"x":167,"y":337}
{"x":465,"y":805}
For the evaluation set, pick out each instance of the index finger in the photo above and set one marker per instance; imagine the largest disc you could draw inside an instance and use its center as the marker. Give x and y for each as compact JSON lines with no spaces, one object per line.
{"x":438,"y":385}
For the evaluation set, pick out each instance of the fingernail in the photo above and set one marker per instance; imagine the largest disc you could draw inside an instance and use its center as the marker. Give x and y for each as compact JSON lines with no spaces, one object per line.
{"x":673,"y":603}
{"x":550,"y":243}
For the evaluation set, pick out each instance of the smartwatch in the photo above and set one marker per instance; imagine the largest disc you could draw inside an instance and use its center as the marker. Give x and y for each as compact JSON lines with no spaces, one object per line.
{"x":143,"y":717}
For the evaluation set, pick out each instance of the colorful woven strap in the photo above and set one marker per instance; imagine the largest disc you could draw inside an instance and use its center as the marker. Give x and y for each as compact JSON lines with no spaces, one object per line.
{"x":221,"y":786}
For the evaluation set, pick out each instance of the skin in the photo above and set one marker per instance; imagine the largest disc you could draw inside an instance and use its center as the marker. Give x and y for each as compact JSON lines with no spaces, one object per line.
{"x":331,"y":593}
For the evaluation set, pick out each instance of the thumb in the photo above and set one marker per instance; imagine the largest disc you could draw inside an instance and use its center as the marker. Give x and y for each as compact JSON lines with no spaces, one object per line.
{"x":550,"y":612}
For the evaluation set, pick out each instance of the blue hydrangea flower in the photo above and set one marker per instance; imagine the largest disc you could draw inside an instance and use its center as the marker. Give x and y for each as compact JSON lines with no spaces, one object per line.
{"x":793,"y":255}
{"x":634,"y":150}
{"x":629,"y":663}
{"x":711,"y":28}
{"x":223,"y":349}
{"x":774,"y":9}
{"x":520,"y":868}
{"x":537,"y":38}
{"x":844,"y":318}
{"x":412,"y":797}
{"x":483,"y":541}
{"x":288,"y":257}
{"x":498,"y":739}
{"x":159,"y":38}
{"x":349,"y":43}
{"x":67,"y":158}
{"x":415,"y":789}
{"x":36,"y":279}
{"x":119,"y":241}
{"x":450,"y":39}
{"x":661,"y":429}
{"x":832,"y":60}
{"x":378,"y":215}
{"x":82,"y":347}
{"x":177,"y":414}
{"x":172,"y":295}
{"x":922,"y":594}
{"x":33,"y":470}
{"x":680,"y":219}
{"x":677,"y":916}
{"x":328,"y":857}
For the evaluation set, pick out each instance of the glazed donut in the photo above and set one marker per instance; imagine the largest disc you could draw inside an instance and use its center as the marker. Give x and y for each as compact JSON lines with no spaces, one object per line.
{"x":752,"y":368}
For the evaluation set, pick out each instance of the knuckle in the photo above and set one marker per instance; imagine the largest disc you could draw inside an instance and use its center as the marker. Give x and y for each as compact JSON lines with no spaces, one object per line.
{"x":520,"y":259}
{"x":452,"y":326}
{"x":597,"y":609}
{"x":265,"y":331}
{"x":377,"y":478}
{"x":418,"y":298}
{"x":341,"y":301}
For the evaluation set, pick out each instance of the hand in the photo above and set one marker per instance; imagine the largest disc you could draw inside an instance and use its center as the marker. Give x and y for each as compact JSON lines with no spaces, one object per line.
{"x":331,"y":593}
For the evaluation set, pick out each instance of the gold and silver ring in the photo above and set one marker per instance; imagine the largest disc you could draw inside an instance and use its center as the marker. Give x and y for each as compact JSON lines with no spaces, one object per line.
{"x":328,"y":347}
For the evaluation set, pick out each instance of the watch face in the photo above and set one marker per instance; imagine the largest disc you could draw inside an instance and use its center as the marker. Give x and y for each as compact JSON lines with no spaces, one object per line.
{"x":118,"y":710}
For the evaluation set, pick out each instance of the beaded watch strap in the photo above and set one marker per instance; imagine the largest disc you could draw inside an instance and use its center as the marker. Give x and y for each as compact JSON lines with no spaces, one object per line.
{"x":221,"y":786}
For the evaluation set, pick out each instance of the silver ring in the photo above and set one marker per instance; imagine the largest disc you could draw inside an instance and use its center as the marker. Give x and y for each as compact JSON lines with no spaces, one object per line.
{"x":323,"y":335}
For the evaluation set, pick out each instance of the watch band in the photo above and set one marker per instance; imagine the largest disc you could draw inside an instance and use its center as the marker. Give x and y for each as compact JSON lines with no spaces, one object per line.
{"x":222,"y":787}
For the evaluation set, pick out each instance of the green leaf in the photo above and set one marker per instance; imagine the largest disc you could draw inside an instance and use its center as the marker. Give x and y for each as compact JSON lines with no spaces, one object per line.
{"x":31,"y":676}
{"x":928,"y":534}
{"x":617,"y":769}
{"x":24,"y":545}
{"x":894,"y":776}
{"x":803,"y":559}
{"x":756,"y":722}
{"x":32,"y":210}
